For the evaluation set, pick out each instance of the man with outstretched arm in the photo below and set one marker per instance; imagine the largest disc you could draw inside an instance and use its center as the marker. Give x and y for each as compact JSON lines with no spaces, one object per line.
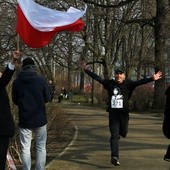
{"x":119,"y":91}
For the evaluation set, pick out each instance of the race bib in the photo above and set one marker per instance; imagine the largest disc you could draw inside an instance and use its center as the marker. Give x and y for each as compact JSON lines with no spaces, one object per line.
{"x":117,"y":102}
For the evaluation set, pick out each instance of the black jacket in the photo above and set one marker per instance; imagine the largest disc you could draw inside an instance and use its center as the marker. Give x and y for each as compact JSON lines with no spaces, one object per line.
{"x":30,"y":92}
{"x":7,"y":126}
{"x":122,"y":91}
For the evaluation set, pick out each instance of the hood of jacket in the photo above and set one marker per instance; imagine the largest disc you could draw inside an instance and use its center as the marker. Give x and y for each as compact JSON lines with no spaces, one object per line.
{"x":27,"y":74}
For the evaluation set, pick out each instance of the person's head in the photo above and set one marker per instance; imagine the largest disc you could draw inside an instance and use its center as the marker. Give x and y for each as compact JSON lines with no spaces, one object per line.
{"x":62,"y":88}
{"x":50,"y":82}
{"x":119,"y":75}
{"x":27,"y":61}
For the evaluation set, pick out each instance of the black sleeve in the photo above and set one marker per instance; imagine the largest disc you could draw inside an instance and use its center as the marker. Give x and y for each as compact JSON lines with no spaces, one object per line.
{"x":6,"y":77}
{"x":134,"y":84}
{"x":14,"y":94}
{"x":96,"y":77}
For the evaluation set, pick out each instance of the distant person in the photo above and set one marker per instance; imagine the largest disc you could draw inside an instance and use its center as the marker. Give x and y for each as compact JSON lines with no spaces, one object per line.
{"x":7,"y":125}
{"x":30,"y":93}
{"x":119,"y":91}
{"x":166,"y":122}
{"x":52,"y":89}
{"x":62,"y":95}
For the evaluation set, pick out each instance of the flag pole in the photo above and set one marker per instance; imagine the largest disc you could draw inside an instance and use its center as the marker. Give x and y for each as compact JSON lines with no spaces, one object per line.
{"x":18,"y":49}
{"x":17,"y":42}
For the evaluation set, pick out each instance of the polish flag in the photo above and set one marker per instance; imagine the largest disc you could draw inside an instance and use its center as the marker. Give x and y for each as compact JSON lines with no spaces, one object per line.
{"x":36,"y":24}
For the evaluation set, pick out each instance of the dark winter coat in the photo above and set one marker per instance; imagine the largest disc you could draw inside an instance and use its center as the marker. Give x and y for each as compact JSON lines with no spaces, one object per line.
{"x":7,"y":126}
{"x":124,"y":90}
{"x":30,"y":92}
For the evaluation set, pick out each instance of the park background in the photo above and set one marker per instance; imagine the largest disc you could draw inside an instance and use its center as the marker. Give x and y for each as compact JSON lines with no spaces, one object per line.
{"x":133,"y":34}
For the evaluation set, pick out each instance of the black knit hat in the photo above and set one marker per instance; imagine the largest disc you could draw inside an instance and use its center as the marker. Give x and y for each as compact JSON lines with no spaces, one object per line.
{"x":28,"y":61}
{"x":119,"y":70}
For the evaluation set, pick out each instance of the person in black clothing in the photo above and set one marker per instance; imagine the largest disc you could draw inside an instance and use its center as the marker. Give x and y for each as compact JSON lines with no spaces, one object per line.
{"x":7,"y":125}
{"x":52,"y":89}
{"x":119,"y":91}
{"x":62,"y":95}
{"x":166,"y":122}
{"x":30,"y":93}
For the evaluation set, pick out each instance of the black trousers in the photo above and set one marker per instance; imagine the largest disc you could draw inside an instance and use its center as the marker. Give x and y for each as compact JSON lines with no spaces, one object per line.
{"x":4,"y":142}
{"x":118,"y":125}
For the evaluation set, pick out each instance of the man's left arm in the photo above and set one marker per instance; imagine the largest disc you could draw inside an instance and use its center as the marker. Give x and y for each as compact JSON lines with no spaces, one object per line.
{"x":155,"y":77}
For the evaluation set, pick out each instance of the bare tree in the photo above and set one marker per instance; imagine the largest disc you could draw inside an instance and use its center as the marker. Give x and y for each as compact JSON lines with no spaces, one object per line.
{"x":131,"y":33}
{"x":132,"y":15}
{"x":160,"y":41}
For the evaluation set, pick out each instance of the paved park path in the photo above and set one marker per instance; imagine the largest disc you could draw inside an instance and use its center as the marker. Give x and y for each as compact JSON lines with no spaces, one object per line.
{"x":142,"y":149}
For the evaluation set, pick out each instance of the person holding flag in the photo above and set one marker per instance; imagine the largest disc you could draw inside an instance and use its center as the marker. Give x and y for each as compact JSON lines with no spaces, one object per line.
{"x":7,"y":125}
{"x":119,"y":91}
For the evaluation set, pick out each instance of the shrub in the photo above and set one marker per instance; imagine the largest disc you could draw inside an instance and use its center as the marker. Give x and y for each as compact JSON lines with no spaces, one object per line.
{"x":142,"y":97}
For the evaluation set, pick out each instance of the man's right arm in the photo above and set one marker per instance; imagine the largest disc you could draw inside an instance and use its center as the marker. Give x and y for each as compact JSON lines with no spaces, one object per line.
{"x":94,"y":76}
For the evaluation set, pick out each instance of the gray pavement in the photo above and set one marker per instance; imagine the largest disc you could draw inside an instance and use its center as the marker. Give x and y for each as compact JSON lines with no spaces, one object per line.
{"x":142,"y":149}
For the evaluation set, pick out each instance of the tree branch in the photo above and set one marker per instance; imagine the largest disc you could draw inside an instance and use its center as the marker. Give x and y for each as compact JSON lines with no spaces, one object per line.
{"x":120,"y":4}
{"x":141,"y":22}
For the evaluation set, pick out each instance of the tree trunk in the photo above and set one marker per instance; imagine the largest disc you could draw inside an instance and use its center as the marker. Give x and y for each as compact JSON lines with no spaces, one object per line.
{"x":159,"y":90}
